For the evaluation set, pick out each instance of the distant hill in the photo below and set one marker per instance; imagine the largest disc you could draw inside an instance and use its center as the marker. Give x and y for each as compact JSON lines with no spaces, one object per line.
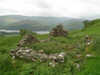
{"x":7,"y":20}
{"x":16,"y":22}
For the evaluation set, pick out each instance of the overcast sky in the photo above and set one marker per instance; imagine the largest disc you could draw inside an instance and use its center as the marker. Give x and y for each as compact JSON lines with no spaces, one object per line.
{"x":59,"y":8}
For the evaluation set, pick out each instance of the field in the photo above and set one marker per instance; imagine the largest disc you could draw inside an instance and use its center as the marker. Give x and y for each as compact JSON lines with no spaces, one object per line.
{"x":89,"y":66}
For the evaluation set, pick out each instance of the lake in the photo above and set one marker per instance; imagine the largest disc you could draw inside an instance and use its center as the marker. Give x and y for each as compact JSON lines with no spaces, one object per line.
{"x":17,"y":31}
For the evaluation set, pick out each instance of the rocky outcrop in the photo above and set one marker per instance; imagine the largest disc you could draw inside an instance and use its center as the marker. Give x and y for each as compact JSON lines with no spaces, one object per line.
{"x":58,"y":31}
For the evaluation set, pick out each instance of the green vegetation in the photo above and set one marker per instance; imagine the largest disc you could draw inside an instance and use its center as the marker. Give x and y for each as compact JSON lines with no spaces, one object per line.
{"x":37,"y":23}
{"x":90,"y":66}
{"x":23,"y":32}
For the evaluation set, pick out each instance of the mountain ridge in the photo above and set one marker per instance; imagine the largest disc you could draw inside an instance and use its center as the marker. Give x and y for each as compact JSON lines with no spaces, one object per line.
{"x":17,"y":22}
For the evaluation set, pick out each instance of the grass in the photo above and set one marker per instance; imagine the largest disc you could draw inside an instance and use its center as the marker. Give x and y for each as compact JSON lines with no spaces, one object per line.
{"x":91,"y":66}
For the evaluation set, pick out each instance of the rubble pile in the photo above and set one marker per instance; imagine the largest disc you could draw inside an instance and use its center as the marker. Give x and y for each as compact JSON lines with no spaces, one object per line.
{"x":28,"y":40}
{"x":58,"y":31}
{"x":29,"y":54}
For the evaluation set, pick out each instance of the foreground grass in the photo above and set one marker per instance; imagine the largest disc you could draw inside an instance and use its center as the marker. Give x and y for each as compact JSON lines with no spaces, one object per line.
{"x":91,"y":66}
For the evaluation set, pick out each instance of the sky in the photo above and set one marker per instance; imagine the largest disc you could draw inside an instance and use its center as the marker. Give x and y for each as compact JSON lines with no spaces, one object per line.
{"x":58,"y":8}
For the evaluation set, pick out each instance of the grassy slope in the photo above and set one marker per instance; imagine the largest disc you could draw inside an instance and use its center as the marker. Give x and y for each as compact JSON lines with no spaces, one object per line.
{"x":22,"y":67}
{"x":92,"y":65}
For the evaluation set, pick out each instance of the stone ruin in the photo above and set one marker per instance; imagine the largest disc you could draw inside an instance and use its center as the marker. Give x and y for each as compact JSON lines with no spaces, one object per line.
{"x":26,"y":53}
{"x":27,"y":40}
{"x":58,"y":31}
{"x":32,"y":55}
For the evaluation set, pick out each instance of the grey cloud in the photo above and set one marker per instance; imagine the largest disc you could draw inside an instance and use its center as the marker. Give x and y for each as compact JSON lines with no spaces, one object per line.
{"x":43,"y":4}
{"x":68,"y":8}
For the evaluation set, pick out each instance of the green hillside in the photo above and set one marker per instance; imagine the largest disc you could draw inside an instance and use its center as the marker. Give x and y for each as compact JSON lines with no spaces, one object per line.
{"x":72,"y":44}
{"x":37,"y":23}
{"x":9,"y":19}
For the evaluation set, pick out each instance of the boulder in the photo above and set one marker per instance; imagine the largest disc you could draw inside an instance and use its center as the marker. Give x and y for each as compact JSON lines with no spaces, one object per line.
{"x":89,"y":55}
{"x":57,"y":57}
{"x":24,"y":53}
